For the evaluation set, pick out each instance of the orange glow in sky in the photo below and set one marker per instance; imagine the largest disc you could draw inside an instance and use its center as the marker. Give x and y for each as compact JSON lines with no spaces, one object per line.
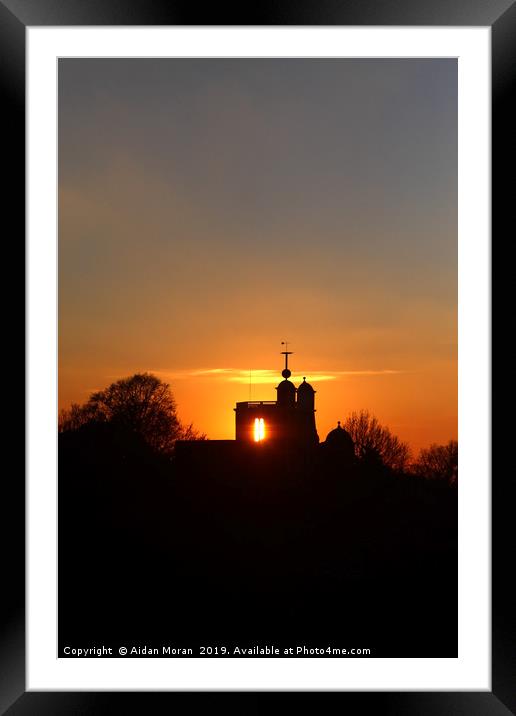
{"x":418,"y":404}
{"x":211,"y":209}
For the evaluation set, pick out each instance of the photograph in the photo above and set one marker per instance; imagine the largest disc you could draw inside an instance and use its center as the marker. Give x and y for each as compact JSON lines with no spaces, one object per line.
{"x":257,"y":357}
{"x":259,"y":252}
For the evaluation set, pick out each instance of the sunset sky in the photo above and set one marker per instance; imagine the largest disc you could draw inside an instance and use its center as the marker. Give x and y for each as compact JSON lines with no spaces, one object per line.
{"x":210,"y":209}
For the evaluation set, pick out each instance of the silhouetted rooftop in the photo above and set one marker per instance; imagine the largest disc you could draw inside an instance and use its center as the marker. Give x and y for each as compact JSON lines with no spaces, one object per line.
{"x":339,"y":437}
{"x":256,"y":403}
{"x":305,"y":386}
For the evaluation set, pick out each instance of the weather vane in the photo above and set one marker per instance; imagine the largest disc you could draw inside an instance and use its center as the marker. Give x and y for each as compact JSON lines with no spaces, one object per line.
{"x":286,"y":372}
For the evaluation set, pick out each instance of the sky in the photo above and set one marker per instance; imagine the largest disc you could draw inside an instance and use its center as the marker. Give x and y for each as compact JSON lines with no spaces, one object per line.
{"x":211,"y":208}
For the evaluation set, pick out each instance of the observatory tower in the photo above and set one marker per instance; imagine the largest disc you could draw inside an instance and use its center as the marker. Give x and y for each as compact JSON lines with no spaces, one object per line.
{"x":288,"y":420}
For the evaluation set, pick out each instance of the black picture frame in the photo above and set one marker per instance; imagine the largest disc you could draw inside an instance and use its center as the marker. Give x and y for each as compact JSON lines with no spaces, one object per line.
{"x":500,"y":15}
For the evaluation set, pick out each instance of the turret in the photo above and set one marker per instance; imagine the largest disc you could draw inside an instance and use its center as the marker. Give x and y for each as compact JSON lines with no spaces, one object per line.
{"x":286,"y":394}
{"x":306,"y":397}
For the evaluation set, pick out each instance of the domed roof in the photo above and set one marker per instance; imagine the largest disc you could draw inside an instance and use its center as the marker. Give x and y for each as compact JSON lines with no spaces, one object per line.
{"x":305,"y":387}
{"x":339,"y":437}
{"x":286,"y":387}
{"x":286,"y":394}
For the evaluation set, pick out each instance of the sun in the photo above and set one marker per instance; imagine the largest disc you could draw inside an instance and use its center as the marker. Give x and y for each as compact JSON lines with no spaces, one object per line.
{"x":259,"y":430}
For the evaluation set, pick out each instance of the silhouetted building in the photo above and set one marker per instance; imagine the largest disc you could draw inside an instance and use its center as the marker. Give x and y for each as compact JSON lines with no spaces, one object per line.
{"x":284,"y":426}
{"x":288,"y":420}
{"x":339,"y":445}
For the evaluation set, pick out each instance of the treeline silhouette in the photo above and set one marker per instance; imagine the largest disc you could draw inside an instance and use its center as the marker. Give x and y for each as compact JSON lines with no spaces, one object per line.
{"x":255,"y":547}
{"x":141,"y":405}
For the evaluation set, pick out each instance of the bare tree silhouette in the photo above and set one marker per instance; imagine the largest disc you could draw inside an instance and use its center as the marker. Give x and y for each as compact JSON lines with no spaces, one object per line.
{"x":142,"y":404}
{"x":75,"y":417}
{"x":189,"y":432}
{"x":374,"y":441}
{"x":438,"y":462}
